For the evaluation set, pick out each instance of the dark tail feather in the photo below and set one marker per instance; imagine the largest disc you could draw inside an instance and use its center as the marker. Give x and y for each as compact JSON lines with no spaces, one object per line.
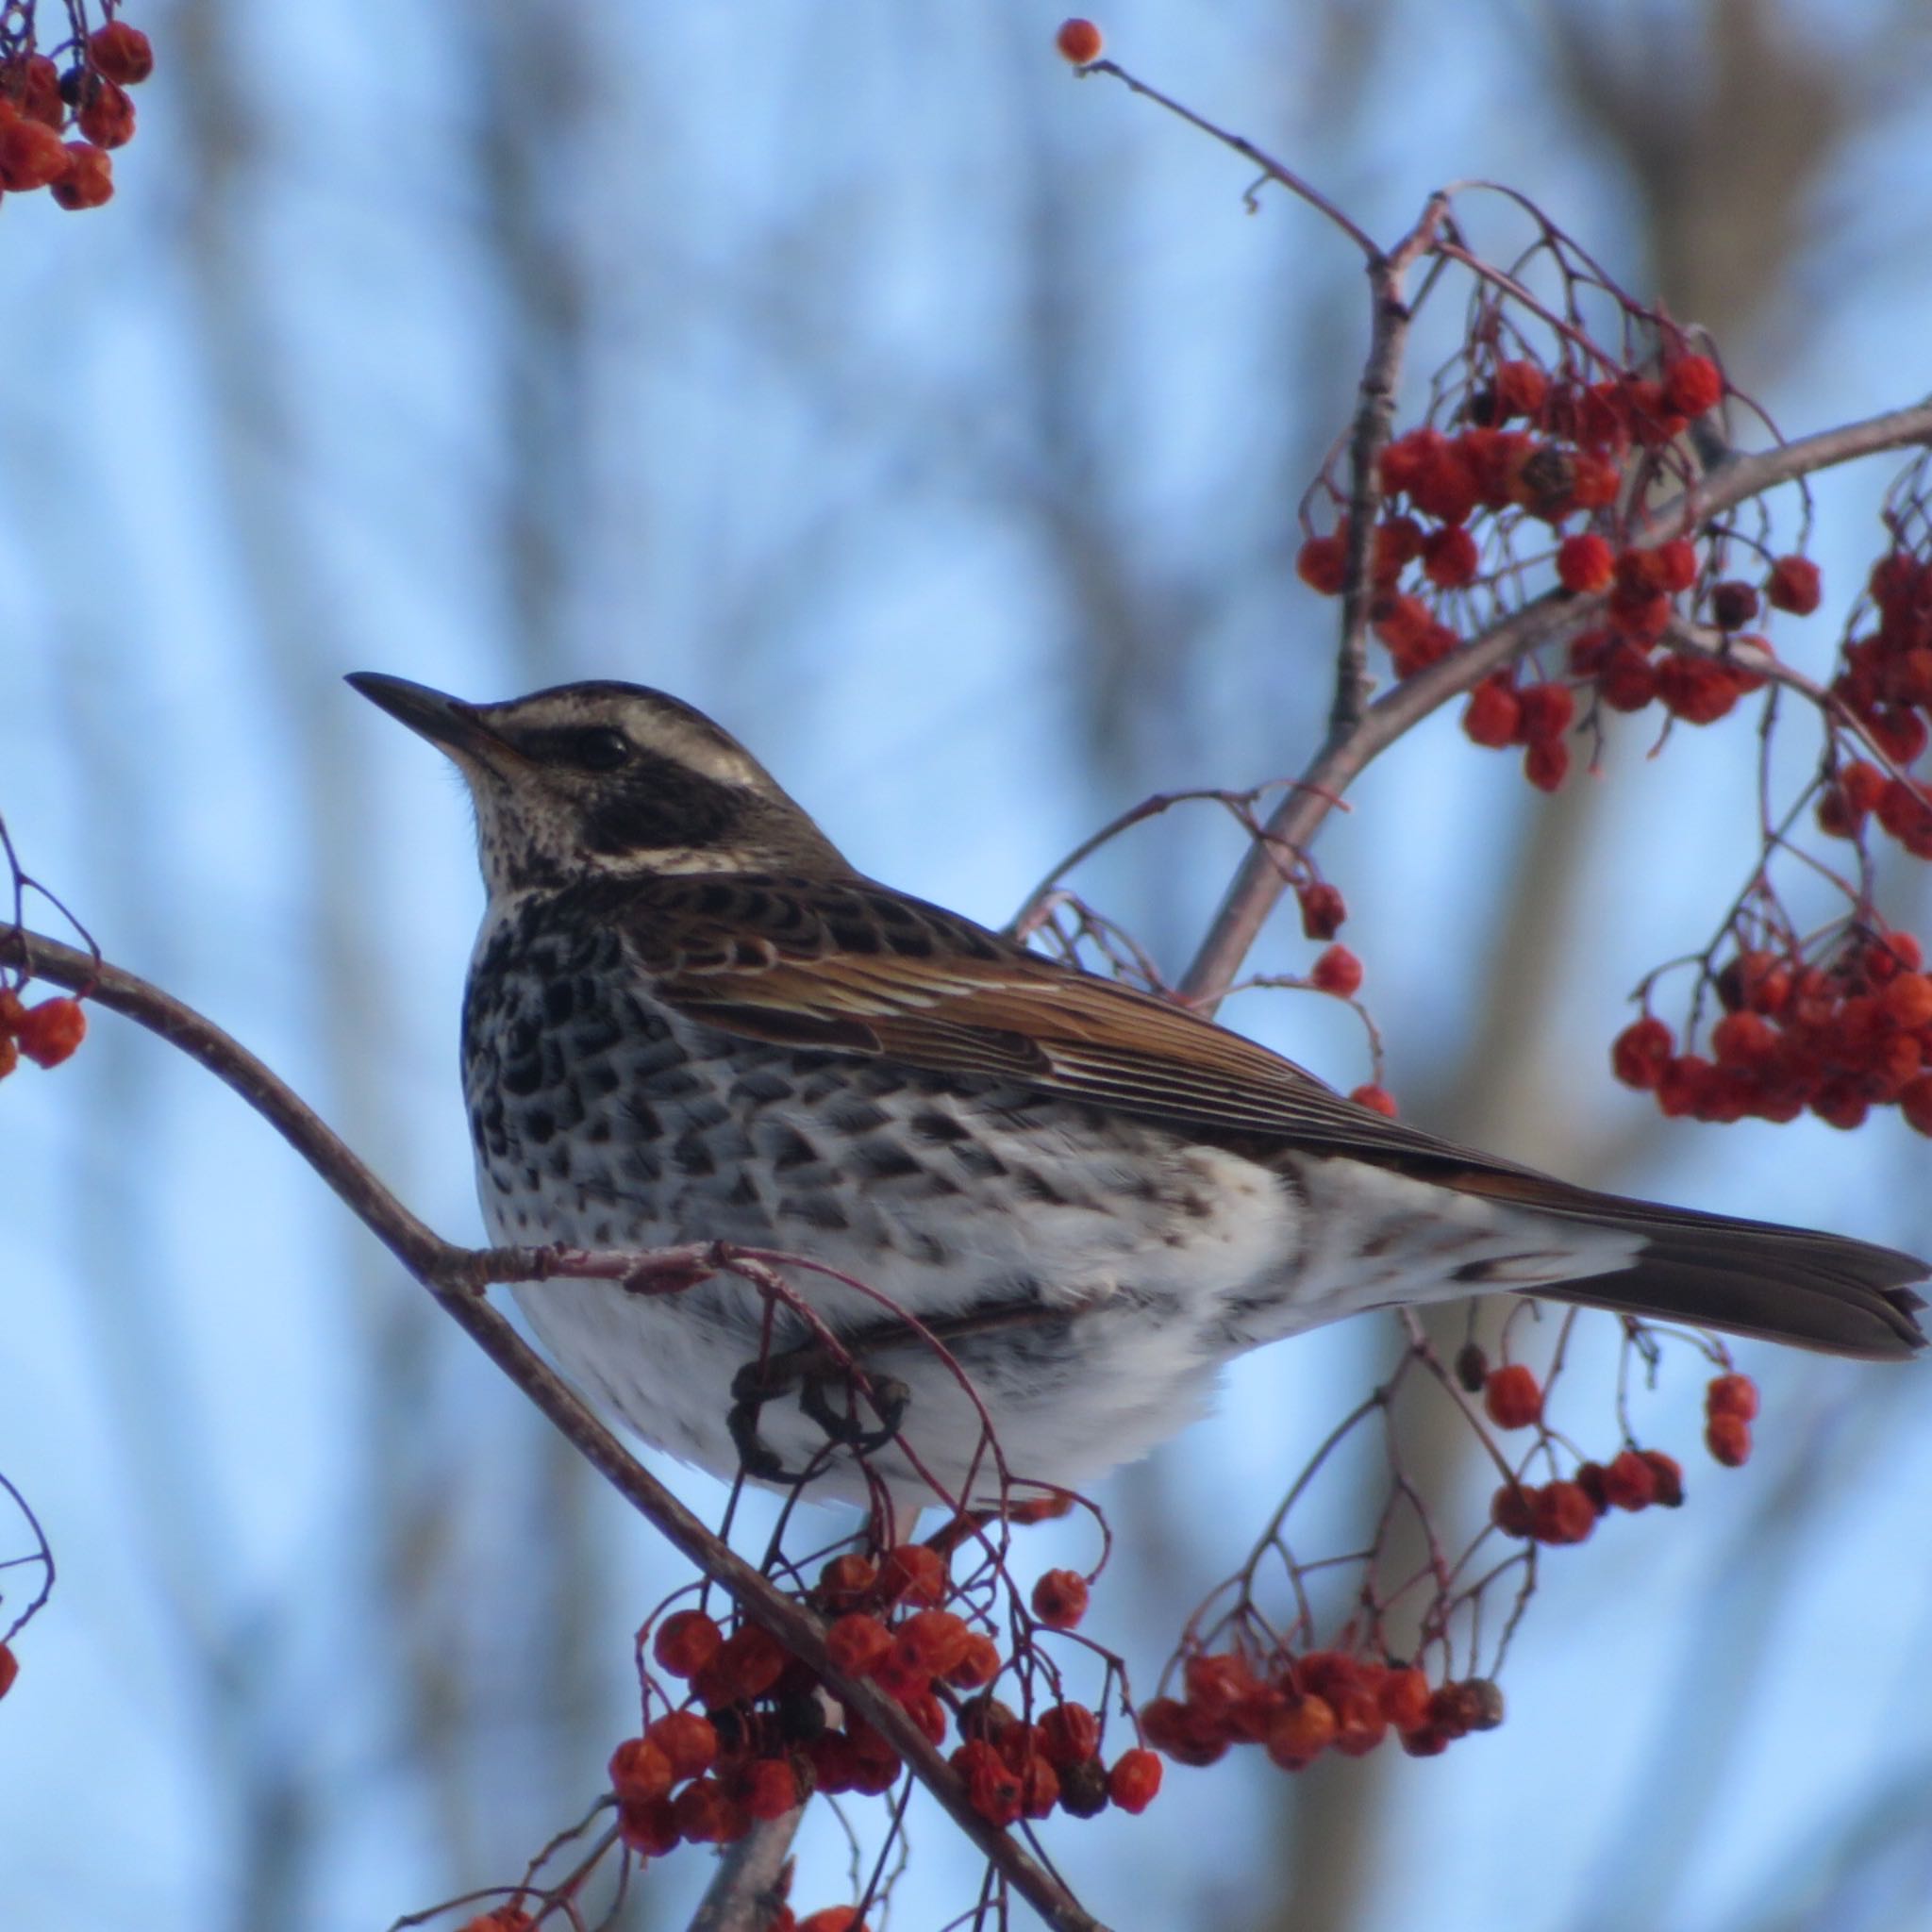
{"x":1750,"y":1277}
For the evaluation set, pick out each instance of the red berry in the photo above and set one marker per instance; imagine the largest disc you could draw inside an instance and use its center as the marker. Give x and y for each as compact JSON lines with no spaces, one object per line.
{"x":991,"y":1784}
{"x":1323,"y":909}
{"x":685,"y":1641}
{"x":934,"y":1641}
{"x":1512,"y":1397}
{"x":1547,"y":710}
{"x":107,"y":120}
{"x":1546,"y":763}
{"x":1404,"y":1698}
{"x":49,"y":1032}
{"x":1693,"y":384}
{"x":1915,"y":1103}
{"x":9,"y":1668}
{"x":1069,"y":1733}
{"x":1640,"y":1054}
{"x":1336,"y":971}
{"x":1494,"y":717}
{"x":978,"y":1665}
{"x":1450,"y":557}
{"x":1135,"y":1780}
{"x":1079,"y":41}
{"x":9,"y":1055}
{"x":748,"y":1663}
{"x":1728,"y":1438}
{"x":31,"y":156}
{"x":1669,"y":1478}
{"x":771,"y":1788}
{"x":639,"y":1771}
{"x":1301,"y":1731}
{"x":89,"y":182}
{"x":1059,"y":1598}
{"x":857,"y":1644}
{"x":913,"y":1574}
{"x":1733,"y":605}
{"x":32,"y":87}
{"x":1562,"y":1513}
{"x":1512,"y":1509}
{"x":1793,"y":586}
{"x":1629,"y":1482}
{"x":1732,"y":1396}
{"x":121,"y":53}
{"x":688,"y":1740}
{"x":1585,"y":564}
{"x":1321,"y":563}
{"x":1377,"y":1098}
{"x":1522,"y":388}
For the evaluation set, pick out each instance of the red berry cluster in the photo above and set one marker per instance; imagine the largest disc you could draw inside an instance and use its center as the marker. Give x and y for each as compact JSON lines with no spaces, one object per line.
{"x":1566,"y":1509}
{"x":1567,"y":458}
{"x":1836,"y":1036}
{"x":1887,"y":684}
{"x":47,"y":1033}
{"x":755,"y":1739}
{"x":1296,"y":1708}
{"x":41,"y":101}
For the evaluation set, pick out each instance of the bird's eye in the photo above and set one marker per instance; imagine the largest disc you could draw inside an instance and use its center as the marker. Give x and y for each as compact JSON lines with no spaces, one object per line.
{"x":597,"y":748}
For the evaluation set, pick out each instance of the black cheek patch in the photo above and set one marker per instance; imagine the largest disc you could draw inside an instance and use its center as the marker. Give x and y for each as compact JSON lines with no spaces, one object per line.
{"x":656,"y":806}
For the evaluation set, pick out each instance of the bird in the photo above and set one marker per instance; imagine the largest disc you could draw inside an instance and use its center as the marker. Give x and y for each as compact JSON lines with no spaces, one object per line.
{"x":690,"y":1018}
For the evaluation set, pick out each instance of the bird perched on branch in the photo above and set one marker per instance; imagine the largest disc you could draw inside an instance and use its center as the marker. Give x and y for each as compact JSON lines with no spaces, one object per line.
{"x":689,"y":1019}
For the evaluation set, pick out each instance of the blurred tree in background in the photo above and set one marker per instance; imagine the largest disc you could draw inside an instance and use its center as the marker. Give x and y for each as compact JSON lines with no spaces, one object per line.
{"x":940,"y":426}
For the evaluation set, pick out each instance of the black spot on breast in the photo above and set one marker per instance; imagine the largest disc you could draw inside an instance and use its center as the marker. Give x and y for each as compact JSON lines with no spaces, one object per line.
{"x":787,"y":1148}
{"x":979,"y":1161}
{"x":693,"y":1155}
{"x":644,"y":1117}
{"x":942,"y":1128}
{"x":760,"y":1085}
{"x":523,"y":1078}
{"x":539,"y":1123}
{"x":744,"y":1191}
{"x":879,"y":1159}
{"x":560,"y":1001}
{"x":640,"y":1164}
{"x":1035,"y":1186}
{"x":598,"y":1133}
{"x":855,"y":1116}
{"x":816,"y":1211}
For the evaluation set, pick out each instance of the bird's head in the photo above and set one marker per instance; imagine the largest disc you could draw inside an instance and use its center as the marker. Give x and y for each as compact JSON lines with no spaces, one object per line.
{"x":607,"y":780}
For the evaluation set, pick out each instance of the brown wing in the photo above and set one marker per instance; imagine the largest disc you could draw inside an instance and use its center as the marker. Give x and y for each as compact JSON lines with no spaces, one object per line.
{"x":855,"y":967}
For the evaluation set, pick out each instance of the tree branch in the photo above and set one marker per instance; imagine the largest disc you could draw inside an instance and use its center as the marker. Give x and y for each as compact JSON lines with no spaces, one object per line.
{"x":458,"y":1277}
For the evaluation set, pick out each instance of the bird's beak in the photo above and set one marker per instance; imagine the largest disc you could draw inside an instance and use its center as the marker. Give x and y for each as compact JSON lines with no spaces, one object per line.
{"x":445,"y":721}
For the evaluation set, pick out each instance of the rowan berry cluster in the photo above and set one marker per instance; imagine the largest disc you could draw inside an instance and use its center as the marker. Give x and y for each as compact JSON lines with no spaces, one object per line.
{"x":1297,"y":1706}
{"x":81,"y":92}
{"x":1849,"y":1030}
{"x":46,"y":1033}
{"x":1566,"y":1508}
{"x":757,"y":1735}
{"x":1526,"y":445}
{"x":1886,"y":683}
